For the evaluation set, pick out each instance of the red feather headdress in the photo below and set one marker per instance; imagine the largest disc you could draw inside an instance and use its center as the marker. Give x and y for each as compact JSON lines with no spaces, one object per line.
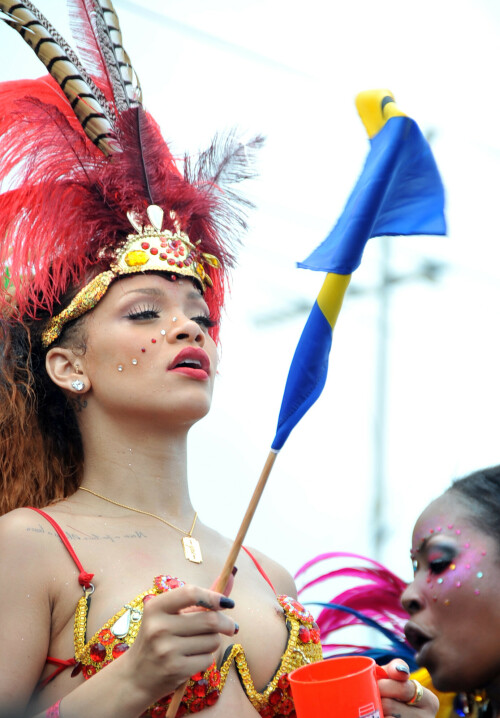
{"x":81,"y":158}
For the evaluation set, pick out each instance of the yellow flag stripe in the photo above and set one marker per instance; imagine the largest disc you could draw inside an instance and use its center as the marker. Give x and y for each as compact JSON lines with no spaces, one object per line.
{"x":331,"y":295}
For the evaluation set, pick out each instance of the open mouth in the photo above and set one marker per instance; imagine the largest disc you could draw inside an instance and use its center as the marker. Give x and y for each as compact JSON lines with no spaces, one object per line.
{"x":416,"y":637}
{"x":192,"y":361}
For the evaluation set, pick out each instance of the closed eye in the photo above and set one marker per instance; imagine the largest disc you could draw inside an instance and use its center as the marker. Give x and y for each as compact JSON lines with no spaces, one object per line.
{"x":439,"y":565}
{"x":144,"y":313}
{"x":204,"y":321}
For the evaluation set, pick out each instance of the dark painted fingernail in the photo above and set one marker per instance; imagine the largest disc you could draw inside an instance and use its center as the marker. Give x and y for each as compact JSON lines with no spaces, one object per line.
{"x":226,"y":602}
{"x":403,"y":669}
{"x":396,"y":715}
{"x":235,"y":570}
{"x":236,"y":628}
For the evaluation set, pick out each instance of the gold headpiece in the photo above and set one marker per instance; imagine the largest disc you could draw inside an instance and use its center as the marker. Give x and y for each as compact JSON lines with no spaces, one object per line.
{"x":150,"y":250}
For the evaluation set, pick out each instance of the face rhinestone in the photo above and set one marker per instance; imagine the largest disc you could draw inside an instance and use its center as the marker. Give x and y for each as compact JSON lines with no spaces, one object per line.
{"x":134,"y":361}
{"x":479,"y":574}
{"x":447,"y":602}
{"x":476,"y":591}
{"x":458,"y":532}
{"x":174,"y":319}
{"x":452,"y":566}
{"x":153,"y":341}
{"x":163,"y":332}
{"x":143,"y":350}
{"x":458,"y":584}
{"x":120,"y":368}
{"x":440,"y":580}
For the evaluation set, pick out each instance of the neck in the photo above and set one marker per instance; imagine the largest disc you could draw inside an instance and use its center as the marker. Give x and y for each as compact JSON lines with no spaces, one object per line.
{"x":139,"y":466}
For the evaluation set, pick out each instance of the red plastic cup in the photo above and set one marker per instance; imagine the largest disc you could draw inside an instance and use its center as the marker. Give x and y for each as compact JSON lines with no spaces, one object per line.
{"x":343,"y":687}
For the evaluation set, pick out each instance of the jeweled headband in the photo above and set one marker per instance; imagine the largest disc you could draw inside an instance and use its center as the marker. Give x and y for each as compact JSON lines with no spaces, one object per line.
{"x":149,"y":250}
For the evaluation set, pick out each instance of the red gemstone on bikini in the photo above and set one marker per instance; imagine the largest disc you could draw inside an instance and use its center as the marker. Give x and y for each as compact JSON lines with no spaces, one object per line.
{"x":315,"y":635}
{"x":304,"y":634}
{"x":106,"y":637}
{"x":97,"y":652}
{"x":266,"y":712}
{"x":182,"y":710}
{"x":89,"y":671}
{"x":212,"y":698}
{"x":286,"y":707}
{"x":145,"y":245}
{"x":175,"y":583}
{"x":119,"y":649}
{"x":200,"y":688}
{"x":275,"y":697}
{"x":159,"y":712}
{"x":214,"y":678}
{"x":284,"y":683}
{"x":197,"y":676}
{"x":197,"y":705}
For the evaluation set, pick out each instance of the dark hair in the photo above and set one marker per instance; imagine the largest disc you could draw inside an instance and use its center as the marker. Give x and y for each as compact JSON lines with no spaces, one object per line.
{"x":481,"y":491}
{"x":41,"y":453}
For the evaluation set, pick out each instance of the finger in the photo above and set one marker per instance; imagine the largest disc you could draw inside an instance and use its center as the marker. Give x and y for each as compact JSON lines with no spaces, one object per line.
{"x":193,"y":624}
{"x":398,"y":670}
{"x":187,"y":596}
{"x":400,"y":690}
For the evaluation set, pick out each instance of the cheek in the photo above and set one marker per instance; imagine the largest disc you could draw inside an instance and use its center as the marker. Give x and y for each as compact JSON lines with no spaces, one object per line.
{"x":462,"y":580}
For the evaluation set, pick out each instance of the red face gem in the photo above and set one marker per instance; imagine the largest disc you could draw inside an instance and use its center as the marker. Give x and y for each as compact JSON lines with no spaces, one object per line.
{"x":119,"y":649}
{"x":153,"y":341}
{"x":97,"y":652}
{"x":143,"y":350}
{"x":304,"y":634}
{"x":153,"y":250}
{"x":145,"y":245}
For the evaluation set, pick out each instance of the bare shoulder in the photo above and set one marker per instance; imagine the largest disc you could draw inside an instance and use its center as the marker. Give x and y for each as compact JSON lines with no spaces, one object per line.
{"x":281,"y":579}
{"x":23,"y":541}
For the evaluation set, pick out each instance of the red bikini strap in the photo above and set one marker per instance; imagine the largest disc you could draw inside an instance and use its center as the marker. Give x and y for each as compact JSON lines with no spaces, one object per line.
{"x":259,"y":568}
{"x":84,"y":578}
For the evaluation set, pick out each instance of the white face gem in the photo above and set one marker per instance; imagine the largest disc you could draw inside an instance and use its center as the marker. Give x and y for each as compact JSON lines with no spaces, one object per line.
{"x":163,"y":332}
{"x":134,"y":361}
{"x":174,"y":319}
{"x":120,"y":368}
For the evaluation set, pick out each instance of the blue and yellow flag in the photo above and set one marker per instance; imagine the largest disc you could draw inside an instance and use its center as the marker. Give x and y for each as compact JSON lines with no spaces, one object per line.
{"x":399,"y":192}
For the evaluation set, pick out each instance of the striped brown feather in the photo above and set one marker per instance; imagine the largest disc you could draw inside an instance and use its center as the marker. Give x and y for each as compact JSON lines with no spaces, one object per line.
{"x":87,"y":101}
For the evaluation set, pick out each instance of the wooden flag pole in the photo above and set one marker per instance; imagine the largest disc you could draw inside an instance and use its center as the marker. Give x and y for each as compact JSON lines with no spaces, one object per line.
{"x":231,"y":559}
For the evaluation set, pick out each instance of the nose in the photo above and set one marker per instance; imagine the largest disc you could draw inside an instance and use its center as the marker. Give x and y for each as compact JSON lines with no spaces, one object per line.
{"x":186,"y":329}
{"x":412,"y":599}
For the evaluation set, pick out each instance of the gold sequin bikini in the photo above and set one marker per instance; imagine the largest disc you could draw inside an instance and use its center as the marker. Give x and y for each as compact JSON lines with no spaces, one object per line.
{"x":118,"y":634}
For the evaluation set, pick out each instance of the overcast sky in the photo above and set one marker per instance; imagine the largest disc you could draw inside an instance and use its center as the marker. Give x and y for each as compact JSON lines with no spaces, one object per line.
{"x":291,"y":71}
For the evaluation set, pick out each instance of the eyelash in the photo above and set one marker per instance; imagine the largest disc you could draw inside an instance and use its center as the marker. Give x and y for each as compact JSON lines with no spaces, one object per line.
{"x":153,"y":312}
{"x":439,"y":565}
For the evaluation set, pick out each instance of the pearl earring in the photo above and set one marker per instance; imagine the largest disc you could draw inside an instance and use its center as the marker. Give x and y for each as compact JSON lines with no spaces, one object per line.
{"x":78,"y":385}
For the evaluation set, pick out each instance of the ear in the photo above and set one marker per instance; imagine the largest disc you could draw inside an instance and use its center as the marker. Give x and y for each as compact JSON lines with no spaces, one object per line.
{"x":67,"y":370}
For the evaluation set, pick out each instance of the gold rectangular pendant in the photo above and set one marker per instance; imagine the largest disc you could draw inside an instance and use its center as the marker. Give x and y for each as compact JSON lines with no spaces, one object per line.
{"x":192,"y":550}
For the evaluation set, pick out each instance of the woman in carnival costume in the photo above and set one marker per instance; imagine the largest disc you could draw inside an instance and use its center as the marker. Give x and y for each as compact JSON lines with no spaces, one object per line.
{"x":451,"y":640}
{"x":453,"y":602}
{"x":115,"y":265}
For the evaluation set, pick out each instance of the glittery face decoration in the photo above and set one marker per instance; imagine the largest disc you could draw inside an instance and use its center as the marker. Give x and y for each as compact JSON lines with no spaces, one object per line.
{"x":451,"y":561}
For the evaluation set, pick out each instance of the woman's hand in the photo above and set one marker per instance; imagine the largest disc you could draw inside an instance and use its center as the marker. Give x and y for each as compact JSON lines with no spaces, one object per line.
{"x":172,"y":644}
{"x":398,"y":689}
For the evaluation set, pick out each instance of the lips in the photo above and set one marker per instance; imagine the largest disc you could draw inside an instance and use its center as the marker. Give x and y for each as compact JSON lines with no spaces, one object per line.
{"x":192,"y":362}
{"x":417,"y":638}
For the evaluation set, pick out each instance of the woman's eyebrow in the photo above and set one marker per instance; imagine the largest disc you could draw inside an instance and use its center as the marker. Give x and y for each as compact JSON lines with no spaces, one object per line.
{"x":154,"y":291}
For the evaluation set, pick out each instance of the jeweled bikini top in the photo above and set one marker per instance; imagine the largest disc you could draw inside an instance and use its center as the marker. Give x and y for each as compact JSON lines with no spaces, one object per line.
{"x":119,"y":633}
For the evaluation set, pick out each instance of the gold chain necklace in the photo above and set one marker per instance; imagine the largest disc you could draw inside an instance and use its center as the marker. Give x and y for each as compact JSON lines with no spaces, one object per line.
{"x":190,"y":545}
